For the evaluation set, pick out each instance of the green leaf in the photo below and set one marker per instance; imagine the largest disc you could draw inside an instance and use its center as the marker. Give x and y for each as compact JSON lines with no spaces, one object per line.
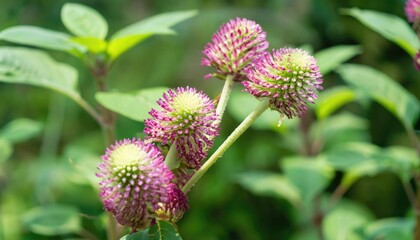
{"x":20,"y":130}
{"x":85,"y":162}
{"x":330,"y":58}
{"x":163,"y":230}
{"x":402,"y":160}
{"x":39,"y":37}
{"x":332,"y":99}
{"x":53,"y":220}
{"x":84,"y":21}
{"x":134,"y":105}
{"x":33,"y":67}
{"x":95,"y":45}
{"x":269,"y":184}
{"x":140,"y":235}
{"x":309,"y":175}
{"x":389,"y":26}
{"x":384,"y":90}
{"x":390,"y":229}
{"x":350,"y":155}
{"x":131,"y":35}
{"x":6,"y":150}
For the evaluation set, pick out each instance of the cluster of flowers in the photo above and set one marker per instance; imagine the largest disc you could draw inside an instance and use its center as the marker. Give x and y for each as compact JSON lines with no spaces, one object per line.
{"x":138,"y":186}
{"x":412,"y":11}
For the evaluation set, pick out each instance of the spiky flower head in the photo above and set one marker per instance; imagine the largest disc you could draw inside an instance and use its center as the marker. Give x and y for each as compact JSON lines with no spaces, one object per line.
{"x":416,"y":61}
{"x":135,"y":183}
{"x":289,"y":78}
{"x":412,"y":10}
{"x":174,"y":209}
{"x":188,"y":119}
{"x":233,"y":47}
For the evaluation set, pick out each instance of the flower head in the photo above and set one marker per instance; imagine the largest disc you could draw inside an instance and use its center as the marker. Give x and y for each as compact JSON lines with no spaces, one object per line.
{"x":174,"y":209}
{"x":412,"y":10}
{"x":187,"y":119}
{"x":289,"y":77}
{"x":135,"y":183}
{"x":233,"y":47}
{"x":416,"y":61}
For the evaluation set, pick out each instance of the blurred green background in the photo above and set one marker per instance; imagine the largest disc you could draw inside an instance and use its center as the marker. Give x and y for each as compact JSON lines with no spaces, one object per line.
{"x":39,"y":171}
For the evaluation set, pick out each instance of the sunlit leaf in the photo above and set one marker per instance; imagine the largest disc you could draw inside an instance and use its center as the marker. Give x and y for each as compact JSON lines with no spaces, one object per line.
{"x":140,"y":235}
{"x":131,"y":35}
{"x":390,"y":229}
{"x":52,"y":220}
{"x":20,"y":130}
{"x":84,"y":21}
{"x":163,"y":230}
{"x":270,"y":184}
{"x":134,"y":105}
{"x":330,"y":58}
{"x":5,"y":150}
{"x":40,"y":37}
{"x":383,"y":89}
{"x":27,"y":66}
{"x":389,"y":26}
{"x":332,"y":99}
{"x":95,"y":45}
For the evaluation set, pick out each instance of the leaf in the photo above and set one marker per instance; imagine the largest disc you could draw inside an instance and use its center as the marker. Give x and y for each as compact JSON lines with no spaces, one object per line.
{"x":84,"y":21}
{"x":332,"y":99}
{"x":389,"y":26}
{"x":309,"y":175}
{"x":330,"y":58}
{"x":350,"y":155}
{"x":95,"y":45}
{"x":20,"y":130}
{"x":134,"y":105}
{"x":33,"y":67}
{"x":269,"y":184}
{"x":53,"y":220}
{"x":163,"y":230}
{"x":390,"y":229}
{"x":131,"y":35}
{"x":140,"y":235}
{"x":39,"y":37}
{"x":85,"y":163}
{"x":384,"y":90}
{"x":402,"y":160}
{"x":6,"y":150}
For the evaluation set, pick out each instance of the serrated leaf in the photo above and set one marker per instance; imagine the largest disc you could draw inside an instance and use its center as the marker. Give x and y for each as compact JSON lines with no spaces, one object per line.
{"x":330,"y":58}
{"x":140,"y":235}
{"x":163,"y":230}
{"x":332,"y":99}
{"x":52,"y":220}
{"x":270,"y":184}
{"x":131,"y":35}
{"x":384,"y":90}
{"x":389,"y":26}
{"x":40,"y":37}
{"x":134,"y":105}
{"x":5,"y":150}
{"x":84,"y":21}
{"x":20,"y":130}
{"x":33,"y":67}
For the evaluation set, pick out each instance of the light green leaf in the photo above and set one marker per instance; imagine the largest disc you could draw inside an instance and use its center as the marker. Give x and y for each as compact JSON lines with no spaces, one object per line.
{"x":134,"y":105}
{"x":332,"y":99}
{"x":26,"y":66}
{"x":309,"y":175}
{"x":52,"y":220}
{"x":131,"y":35}
{"x":269,"y":184}
{"x":84,"y":21}
{"x":6,"y":150}
{"x":383,"y":89}
{"x":163,"y":230}
{"x":350,"y":155}
{"x":39,"y":37}
{"x":20,"y":130}
{"x":389,"y":26}
{"x":390,"y":229}
{"x":330,"y":58}
{"x":95,"y":45}
{"x":85,"y":163}
{"x":140,"y":235}
{"x":402,"y":160}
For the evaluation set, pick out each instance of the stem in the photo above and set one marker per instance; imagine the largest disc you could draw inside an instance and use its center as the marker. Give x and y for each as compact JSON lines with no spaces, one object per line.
{"x":410,"y":193}
{"x":224,"y":97}
{"x":416,"y":144}
{"x":337,"y":194}
{"x":318,"y":217}
{"x":227,"y":143}
{"x":88,"y":108}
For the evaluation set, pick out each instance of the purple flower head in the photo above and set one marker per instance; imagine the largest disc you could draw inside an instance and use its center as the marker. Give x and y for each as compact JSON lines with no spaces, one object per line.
{"x":174,"y":209}
{"x":233,"y":47}
{"x":289,"y":78}
{"x":412,"y":10}
{"x":188,"y":119}
{"x":135,"y":183}
{"x":416,"y":61}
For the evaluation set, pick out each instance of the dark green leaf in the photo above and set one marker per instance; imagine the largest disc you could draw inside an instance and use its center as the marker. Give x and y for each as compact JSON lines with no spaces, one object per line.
{"x":140,"y":235}
{"x":330,"y":58}
{"x":5,"y":150}
{"x":131,"y":35}
{"x":332,"y":99}
{"x":383,"y":89}
{"x":84,"y":21}
{"x":52,"y":220}
{"x":163,"y":230}
{"x":389,"y":26}
{"x":20,"y":130}
{"x":390,"y":229}
{"x":134,"y":105}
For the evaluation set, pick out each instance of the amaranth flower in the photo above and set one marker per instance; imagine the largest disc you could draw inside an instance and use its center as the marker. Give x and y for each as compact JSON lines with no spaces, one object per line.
{"x":412,"y":10}
{"x":188,"y":119}
{"x":135,"y":184}
{"x":233,"y":47}
{"x":289,"y":78}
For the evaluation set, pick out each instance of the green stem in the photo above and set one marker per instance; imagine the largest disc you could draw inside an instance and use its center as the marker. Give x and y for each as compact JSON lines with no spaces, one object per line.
{"x":227,"y":143}
{"x":224,"y":97}
{"x":88,"y":108}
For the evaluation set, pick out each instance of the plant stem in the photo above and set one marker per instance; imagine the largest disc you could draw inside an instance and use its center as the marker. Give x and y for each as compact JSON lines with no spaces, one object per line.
{"x":318,"y":217}
{"x":227,"y":143}
{"x":410,"y":193}
{"x":337,"y":195}
{"x":224,"y":97}
{"x":88,"y":108}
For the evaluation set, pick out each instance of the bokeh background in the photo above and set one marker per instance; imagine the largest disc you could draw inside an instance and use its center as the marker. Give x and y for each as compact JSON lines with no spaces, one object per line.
{"x":39,"y":171}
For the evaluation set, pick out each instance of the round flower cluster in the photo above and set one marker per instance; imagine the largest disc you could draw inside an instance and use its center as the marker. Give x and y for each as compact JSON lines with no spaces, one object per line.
{"x":412,"y":10}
